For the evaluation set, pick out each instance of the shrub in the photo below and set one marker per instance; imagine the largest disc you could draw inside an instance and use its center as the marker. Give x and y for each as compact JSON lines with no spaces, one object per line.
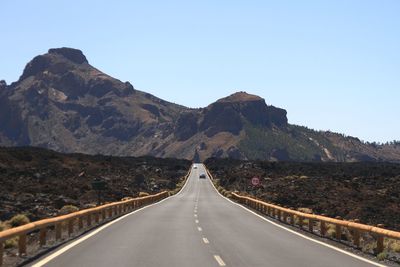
{"x":68,"y":209}
{"x":2,"y":226}
{"x":143,"y":194}
{"x":382,"y":256}
{"x":305,"y":210}
{"x":331,"y":232}
{"x":18,"y":220}
{"x":11,"y":243}
{"x":395,"y":246}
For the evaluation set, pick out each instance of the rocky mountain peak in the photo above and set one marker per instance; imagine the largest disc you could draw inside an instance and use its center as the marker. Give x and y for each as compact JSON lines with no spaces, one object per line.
{"x":75,"y":55}
{"x":230,"y":114}
{"x":3,"y":84}
{"x":240,"y":97}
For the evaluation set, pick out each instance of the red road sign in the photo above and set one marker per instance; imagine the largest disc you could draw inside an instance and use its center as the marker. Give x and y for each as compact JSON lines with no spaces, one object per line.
{"x":255,"y":181}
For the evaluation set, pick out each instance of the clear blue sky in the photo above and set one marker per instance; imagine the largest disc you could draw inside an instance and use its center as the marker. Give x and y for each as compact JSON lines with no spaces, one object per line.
{"x":331,"y":64}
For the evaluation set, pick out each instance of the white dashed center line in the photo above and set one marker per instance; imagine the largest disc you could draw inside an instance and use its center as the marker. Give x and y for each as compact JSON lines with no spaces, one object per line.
{"x":219,"y":260}
{"x":205,"y":240}
{"x":196,"y":221}
{"x":199,"y":228}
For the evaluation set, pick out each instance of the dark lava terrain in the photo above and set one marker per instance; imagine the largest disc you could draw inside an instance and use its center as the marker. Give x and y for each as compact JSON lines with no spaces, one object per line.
{"x":366,"y":191}
{"x":38,"y":182}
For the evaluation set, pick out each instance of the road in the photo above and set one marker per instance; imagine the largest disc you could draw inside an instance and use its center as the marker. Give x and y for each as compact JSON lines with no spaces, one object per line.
{"x":197,"y":227}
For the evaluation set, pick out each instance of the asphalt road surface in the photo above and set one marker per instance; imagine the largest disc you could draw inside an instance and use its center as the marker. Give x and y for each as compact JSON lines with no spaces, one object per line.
{"x":197,"y":227}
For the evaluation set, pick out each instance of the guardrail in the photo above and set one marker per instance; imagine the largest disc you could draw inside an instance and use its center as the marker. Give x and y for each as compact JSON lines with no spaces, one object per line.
{"x":77,"y":221}
{"x":298,"y":218}
{"x":74,"y":222}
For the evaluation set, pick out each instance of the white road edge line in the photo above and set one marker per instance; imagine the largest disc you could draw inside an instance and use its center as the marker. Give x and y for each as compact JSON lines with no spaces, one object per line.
{"x":296,"y":233}
{"x":83,"y":238}
{"x":205,"y":240}
{"x":219,"y":260}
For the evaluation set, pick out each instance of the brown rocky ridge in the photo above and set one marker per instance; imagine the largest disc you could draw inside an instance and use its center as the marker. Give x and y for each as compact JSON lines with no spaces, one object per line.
{"x":63,"y":103}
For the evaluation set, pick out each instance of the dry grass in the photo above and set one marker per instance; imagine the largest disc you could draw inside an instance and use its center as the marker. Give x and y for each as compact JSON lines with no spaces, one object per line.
{"x":331,"y":230}
{"x":18,"y":220}
{"x":68,"y":209}
{"x":305,"y":210}
{"x":143,"y":194}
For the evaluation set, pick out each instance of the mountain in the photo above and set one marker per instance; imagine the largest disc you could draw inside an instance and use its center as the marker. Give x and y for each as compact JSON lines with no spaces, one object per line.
{"x":63,"y":103}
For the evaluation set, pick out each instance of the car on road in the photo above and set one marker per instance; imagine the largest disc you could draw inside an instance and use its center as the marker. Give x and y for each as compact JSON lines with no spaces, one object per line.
{"x":202,"y":176}
{"x":195,"y":167}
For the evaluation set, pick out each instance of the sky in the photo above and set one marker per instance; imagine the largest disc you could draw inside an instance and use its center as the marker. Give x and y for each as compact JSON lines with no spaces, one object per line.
{"x":333,"y":65}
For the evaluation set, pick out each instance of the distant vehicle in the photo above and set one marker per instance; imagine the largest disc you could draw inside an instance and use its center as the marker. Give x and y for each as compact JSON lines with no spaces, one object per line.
{"x":195,"y":167}
{"x":202,"y":176}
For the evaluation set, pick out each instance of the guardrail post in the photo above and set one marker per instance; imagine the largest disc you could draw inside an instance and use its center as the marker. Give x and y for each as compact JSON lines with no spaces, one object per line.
{"x":300,"y":221}
{"x":58,"y":231}
{"x":103,"y":214}
{"x":311,"y":225}
{"x":80,"y":222}
{"x":284,"y":214}
{"x":89,"y":219}
{"x":379,"y":244}
{"x":279,"y":214}
{"x":323,"y":226}
{"x":380,"y":241}
{"x":338,"y":229}
{"x":292,"y":219}
{"x":1,"y":252}
{"x":70,"y":227}
{"x":42,"y":236}
{"x":356,"y":238}
{"x":96,"y":217}
{"x":22,"y":244}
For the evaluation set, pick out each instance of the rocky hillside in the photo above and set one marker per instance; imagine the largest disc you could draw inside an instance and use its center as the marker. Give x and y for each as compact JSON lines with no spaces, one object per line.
{"x":369,"y":192}
{"x":39,"y":182}
{"x":63,"y":103}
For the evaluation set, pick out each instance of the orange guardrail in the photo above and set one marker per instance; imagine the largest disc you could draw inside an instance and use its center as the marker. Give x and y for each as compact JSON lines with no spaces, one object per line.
{"x":294,"y":217}
{"x":297,"y":218}
{"x":75,"y":221}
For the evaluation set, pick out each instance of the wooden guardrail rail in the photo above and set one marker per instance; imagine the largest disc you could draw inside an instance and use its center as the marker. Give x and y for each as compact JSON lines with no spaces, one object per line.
{"x":298,"y":218}
{"x":74,"y":222}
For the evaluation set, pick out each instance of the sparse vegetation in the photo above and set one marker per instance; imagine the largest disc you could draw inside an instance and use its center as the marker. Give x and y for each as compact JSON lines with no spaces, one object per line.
{"x":11,"y":243}
{"x":369,"y":191}
{"x":382,"y":256}
{"x":18,"y":220}
{"x":68,"y":209}
{"x":39,"y":182}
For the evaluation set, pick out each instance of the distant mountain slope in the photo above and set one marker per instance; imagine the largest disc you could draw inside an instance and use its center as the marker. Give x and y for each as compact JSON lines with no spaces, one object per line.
{"x":63,"y":103}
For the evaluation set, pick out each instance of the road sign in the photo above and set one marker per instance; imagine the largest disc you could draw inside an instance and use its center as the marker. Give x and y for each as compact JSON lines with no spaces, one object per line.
{"x":255,"y":181}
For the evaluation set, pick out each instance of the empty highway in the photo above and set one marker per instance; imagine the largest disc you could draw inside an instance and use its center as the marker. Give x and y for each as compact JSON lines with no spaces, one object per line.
{"x":197,"y":227}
